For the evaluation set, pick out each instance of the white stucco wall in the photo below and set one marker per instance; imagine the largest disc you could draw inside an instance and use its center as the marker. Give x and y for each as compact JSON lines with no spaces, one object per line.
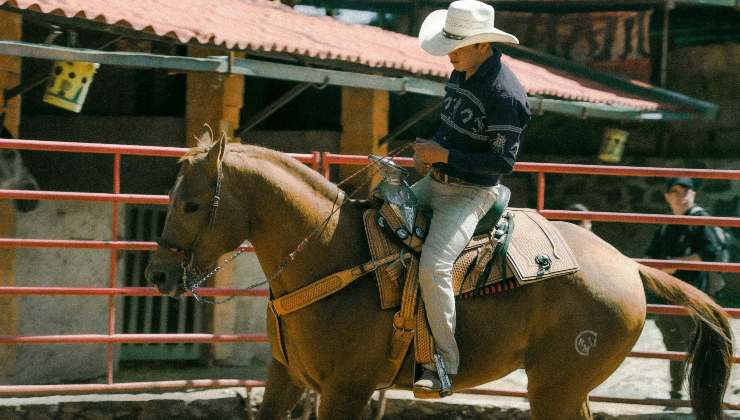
{"x":42,"y":315}
{"x":243,"y":315}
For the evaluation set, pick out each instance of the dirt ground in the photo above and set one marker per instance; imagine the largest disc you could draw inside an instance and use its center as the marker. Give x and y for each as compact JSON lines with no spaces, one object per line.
{"x":636,"y":378}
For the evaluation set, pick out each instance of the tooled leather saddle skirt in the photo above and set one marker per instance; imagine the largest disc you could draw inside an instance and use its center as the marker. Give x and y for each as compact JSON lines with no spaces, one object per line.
{"x":536,"y":251}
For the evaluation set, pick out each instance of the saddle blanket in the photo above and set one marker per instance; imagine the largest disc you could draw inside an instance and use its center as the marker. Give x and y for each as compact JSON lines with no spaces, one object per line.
{"x":536,"y":252}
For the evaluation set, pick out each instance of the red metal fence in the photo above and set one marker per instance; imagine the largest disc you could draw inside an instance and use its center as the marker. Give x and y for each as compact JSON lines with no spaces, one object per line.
{"x":319,"y":161}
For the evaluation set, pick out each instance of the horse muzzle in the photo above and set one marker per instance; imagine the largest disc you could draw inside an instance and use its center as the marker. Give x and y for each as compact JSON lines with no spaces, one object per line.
{"x":166,"y":278}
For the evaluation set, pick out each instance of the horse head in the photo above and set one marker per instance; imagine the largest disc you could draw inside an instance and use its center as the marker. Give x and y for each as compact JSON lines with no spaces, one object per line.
{"x":196,"y":230}
{"x":15,"y":176}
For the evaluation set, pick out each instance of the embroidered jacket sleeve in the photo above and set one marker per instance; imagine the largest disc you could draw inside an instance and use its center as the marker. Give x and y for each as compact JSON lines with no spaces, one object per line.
{"x":505,"y":120}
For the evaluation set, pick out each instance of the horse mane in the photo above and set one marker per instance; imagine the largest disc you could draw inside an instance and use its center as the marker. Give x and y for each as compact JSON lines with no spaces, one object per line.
{"x":248,"y":151}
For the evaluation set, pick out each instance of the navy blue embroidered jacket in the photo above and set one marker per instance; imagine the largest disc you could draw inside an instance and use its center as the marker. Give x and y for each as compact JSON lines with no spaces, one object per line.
{"x":482,"y":119}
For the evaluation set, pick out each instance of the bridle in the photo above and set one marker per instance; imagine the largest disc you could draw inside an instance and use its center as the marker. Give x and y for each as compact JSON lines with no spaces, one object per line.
{"x":192,"y":277}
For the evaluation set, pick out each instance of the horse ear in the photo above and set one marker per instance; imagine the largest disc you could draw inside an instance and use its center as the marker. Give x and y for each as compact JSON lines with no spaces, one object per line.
{"x":206,"y":138}
{"x":216,"y":155}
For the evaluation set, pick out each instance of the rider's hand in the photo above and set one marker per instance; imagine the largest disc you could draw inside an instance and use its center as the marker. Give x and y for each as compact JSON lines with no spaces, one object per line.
{"x":430,"y":152}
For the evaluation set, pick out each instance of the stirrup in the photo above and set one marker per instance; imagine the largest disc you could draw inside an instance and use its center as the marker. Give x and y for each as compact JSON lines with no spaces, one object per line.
{"x":445,"y":386}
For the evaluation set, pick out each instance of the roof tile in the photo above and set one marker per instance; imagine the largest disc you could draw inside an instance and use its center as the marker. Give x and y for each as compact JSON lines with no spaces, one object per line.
{"x":263,"y":25}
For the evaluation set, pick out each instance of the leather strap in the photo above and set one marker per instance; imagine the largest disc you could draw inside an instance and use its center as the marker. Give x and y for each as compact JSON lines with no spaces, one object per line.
{"x":328,"y":285}
{"x":404,"y":325}
{"x":485,"y":253}
{"x":423,"y":343}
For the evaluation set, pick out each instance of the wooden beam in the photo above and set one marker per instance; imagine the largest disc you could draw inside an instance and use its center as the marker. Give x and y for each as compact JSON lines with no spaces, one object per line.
{"x":10,"y":76}
{"x":364,"y":124}
{"x":213,"y":99}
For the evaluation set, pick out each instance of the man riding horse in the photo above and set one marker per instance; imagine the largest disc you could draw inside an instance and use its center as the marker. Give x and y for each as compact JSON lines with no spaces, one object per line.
{"x":484,"y":112}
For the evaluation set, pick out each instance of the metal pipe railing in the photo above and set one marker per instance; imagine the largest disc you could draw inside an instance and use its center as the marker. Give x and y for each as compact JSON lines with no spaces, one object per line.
{"x":322,"y":162}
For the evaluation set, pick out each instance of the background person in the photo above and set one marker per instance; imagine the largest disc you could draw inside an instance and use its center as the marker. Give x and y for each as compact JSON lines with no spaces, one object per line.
{"x":688,"y":243}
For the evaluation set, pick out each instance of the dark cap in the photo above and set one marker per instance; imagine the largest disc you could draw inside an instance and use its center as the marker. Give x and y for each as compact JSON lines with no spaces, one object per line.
{"x":684,"y":182}
{"x":577,"y":207}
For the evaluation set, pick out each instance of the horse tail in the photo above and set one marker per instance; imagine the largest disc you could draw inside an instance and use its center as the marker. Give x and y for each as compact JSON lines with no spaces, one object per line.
{"x":710,"y":351}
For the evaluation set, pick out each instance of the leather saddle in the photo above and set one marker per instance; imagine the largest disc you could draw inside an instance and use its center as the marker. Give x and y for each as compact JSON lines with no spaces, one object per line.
{"x":387,"y":233}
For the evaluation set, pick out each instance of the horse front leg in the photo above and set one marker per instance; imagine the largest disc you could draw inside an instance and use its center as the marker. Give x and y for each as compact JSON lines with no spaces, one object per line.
{"x":281,"y":393}
{"x":346,"y":401}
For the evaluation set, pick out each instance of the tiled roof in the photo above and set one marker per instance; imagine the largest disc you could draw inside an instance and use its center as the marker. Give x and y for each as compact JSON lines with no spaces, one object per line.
{"x":268,"y":26}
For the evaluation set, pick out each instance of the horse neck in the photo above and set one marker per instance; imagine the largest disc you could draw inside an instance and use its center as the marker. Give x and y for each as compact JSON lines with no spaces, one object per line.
{"x":285,"y":211}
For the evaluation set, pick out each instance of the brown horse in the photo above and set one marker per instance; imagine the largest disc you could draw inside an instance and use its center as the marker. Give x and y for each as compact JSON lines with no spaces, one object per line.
{"x":338,"y":345}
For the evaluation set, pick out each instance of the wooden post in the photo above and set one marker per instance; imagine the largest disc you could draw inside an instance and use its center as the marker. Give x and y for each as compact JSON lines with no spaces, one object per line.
{"x":213,"y":99}
{"x":216,"y":100}
{"x":364,"y":122}
{"x":10,"y":76}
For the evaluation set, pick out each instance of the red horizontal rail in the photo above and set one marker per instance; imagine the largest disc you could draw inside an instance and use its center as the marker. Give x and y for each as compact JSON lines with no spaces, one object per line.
{"x":19,"y":390}
{"x":603,"y":216}
{"x":122,"y":291}
{"x":668,"y":355}
{"x":87,"y":244}
{"x":89,"y":147}
{"x":77,"y":244}
{"x":82,"y":196}
{"x":132,"y":338}
{"x":570,"y":168}
{"x":691,"y":265}
{"x":331,"y":159}
{"x":680,"y":310}
{"x":122,"y":149}
{"x":567,"y":168}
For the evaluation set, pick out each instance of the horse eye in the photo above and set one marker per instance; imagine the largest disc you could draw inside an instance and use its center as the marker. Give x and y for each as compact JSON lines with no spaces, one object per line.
{"x":191,"y":207}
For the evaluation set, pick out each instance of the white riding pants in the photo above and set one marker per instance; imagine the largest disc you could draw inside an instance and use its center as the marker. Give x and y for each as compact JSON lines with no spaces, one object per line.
{"x":457,"y":209}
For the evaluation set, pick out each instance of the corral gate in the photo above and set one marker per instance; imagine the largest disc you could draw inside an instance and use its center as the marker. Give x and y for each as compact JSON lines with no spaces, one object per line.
{"x":154,"y":314}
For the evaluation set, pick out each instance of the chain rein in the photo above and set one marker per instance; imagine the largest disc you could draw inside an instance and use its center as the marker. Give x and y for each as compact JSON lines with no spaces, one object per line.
{"x":192,"y":279}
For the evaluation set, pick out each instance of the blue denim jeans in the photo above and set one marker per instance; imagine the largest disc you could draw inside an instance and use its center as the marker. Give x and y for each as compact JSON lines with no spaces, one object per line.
{"x":456,"y":211}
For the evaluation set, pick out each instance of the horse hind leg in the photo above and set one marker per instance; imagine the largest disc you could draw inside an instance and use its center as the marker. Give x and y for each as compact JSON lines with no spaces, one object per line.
{"x":558,"y":383}
{"x":344,"y":402}
{"x":557,"y":403}
{"x":281,"y":393}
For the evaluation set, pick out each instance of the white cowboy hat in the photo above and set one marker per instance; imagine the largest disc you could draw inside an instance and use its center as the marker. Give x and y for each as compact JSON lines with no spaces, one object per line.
{"x":465,"y":22}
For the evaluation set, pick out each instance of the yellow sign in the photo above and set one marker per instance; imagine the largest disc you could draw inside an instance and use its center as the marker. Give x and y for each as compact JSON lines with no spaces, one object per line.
{"x":612,"y":145}
{"x":69,"y":84}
